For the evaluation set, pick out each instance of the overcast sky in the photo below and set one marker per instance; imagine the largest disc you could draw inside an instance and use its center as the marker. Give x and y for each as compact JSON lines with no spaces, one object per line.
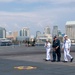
{"x":36,"y":14}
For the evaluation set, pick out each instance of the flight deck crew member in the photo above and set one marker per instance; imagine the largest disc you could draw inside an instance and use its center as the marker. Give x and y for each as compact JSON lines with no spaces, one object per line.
{"x":66,"y":47}
{"x":56,"y":49}
{"x":48,"y":48}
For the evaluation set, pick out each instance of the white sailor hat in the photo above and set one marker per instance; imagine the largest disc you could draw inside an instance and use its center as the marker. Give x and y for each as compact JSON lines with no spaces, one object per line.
{"x":65,"y":35}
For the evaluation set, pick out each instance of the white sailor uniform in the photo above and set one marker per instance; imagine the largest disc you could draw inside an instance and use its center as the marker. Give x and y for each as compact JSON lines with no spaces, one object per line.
{"x":66,"y":46}
{"x":48,"y":48}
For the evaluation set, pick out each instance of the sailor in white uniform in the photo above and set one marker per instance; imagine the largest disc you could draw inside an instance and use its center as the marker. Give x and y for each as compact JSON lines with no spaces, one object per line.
{"x":66,"y":47}
{"x":48,"y":48}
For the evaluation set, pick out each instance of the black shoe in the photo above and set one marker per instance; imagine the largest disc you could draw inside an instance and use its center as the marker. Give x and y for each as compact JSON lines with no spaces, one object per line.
{"x":65,"y":61}
{"x":47,"y":60}
{"x":53,"y":61}
{"x":71,"y":59}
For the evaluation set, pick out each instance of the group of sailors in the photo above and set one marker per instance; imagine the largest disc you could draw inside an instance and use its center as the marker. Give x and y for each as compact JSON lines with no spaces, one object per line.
{"x":56,"y":49}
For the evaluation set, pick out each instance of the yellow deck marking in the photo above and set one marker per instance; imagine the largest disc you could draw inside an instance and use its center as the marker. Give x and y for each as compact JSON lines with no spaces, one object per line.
{"x":25,"y":67}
